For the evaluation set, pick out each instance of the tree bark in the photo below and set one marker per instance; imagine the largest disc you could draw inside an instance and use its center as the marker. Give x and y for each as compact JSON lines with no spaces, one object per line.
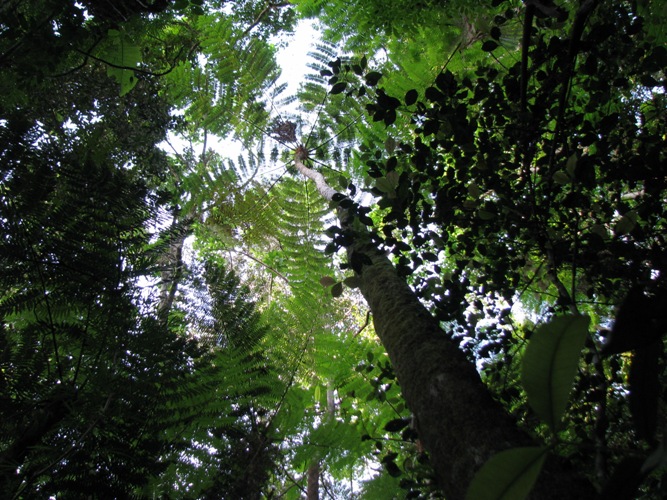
{"x":459,"y":423}
{"x":313,"y":487}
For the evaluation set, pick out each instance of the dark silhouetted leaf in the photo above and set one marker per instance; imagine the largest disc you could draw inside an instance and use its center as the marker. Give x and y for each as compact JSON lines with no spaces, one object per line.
{"x":634,"y":325}
{"x":624,"y":481}
{"x":392,"y":469}
{"x":489,"y":46}
{"x":352,"y":282}
{"x":337,"y":290}
{"x":397,"y":424}
{"x":411,"y":97}
{"x":331,"y":248}
{"x":327,"y":281}
{"x":433,"y":94}
{"x":373,"y":78}
{"x":338,"y":88}
{"x":644,"y":384}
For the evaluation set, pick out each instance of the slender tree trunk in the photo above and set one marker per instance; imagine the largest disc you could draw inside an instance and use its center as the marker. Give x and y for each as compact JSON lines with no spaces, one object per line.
{"x":172,"y":268}
{"x":315,"y":470}
{"x":313,"y":488}
{"x":459,"y":423}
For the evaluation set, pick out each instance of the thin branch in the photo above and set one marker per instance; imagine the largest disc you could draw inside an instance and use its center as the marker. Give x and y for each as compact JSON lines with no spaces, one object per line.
{"x":258,"y":19}
{"x":263,"y":264}
{"x":130,"y":68}
{"x":363,"y":327}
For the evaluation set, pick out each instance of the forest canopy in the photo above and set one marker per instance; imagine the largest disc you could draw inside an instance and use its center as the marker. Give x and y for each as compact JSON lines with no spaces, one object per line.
{"x":437,"y":271}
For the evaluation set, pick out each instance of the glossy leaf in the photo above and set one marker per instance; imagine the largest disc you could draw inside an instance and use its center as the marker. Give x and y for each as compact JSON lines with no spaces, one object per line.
{"x":508,"y":475}
{"x":550,"y":365}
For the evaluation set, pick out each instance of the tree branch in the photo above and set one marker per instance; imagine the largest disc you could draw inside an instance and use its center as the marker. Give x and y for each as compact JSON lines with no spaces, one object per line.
{"x":265,"y":10}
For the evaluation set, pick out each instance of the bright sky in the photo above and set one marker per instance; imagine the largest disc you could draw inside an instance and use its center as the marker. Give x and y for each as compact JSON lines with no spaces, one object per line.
{"x":293,"y":58}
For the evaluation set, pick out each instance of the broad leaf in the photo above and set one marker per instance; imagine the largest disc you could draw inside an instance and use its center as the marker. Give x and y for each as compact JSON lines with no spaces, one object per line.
{"x":337,"y":290}
{"x":411,"y":97}
{"x":327,"y":281}
{"x":396,"y":424}
{"x":121,"y":56}
{"x":550,"y":365}
{"x":489,"y":46}
{"x":352,"y":282}
{"x":338,"y":88}
{"x":372,"y":78}
{"x":508,"y":475}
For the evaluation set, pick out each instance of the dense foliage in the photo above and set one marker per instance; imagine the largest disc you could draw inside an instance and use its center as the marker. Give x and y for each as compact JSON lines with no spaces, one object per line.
{"x":166,"y":314}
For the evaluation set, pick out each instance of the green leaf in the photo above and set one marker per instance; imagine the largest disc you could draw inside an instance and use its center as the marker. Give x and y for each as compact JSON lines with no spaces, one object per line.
{"x":485,"y":214}
{"x":571,"y":164}
{"x":122,"y":55}
{"x":385,"y":185}
{"x":626,"y":223}
{"x":508,"y":475}
{"x":550,"y":365}
{"x":561,"y":177}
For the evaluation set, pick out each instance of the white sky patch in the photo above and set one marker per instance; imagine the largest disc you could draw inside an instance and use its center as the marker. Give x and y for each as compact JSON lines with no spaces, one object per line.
{"x":293,"y":59}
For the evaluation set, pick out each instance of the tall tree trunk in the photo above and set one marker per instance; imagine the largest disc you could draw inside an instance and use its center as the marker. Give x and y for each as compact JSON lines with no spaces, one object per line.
{"x":171,"y":267}
{"x":315,"y":470}
{"x":459,"y":423}
{"x":313,"y":487}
